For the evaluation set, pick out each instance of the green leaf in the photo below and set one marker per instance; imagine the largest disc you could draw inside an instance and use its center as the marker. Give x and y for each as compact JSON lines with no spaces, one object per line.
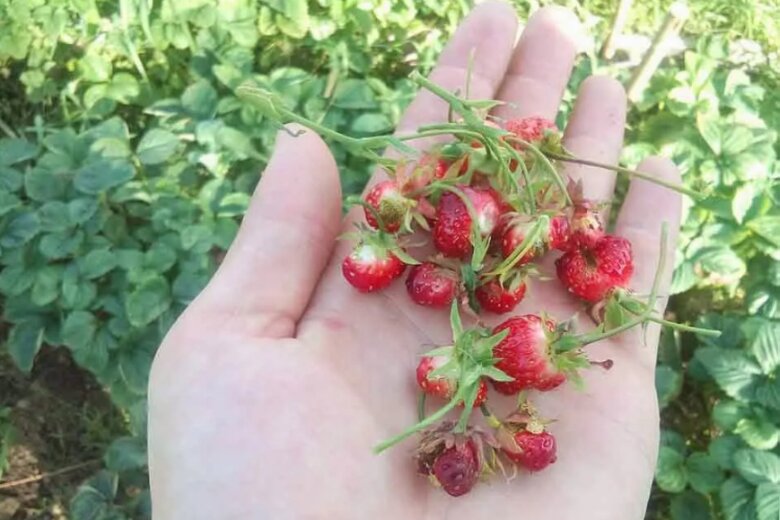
{"x":704,"y":474}
{"x":47,"y":285}
{"x":24,"y":341}
{"x":768,"y":501}
{"x":670,"y":474}
{"x":758,"y":467}
{"x":156,"y":146}
{"x":134,"y":368}
{"x":727,"y":414}
{"x":125,"y":453}
{"x":15,"y":279}
{"x":371,"y":124}
{"x":160,"y":257}
{"x":16,"y":150}
{"x":101,"y":175}
{"x":79,"y":329}
{"x":684,"y":278}
{"x":200,"y":100}
{"x":354,"y":94}
{"x":767,"y":227}
{"x":734,"y":372}
{"x":61,"y":244}
{"x":145,"y":303}
{"x":690,"y":506}
{"x":81,"y":210}
{"x":758,"y":432}
{"x":20,"y":230}
{"x":721,"y":261}
{"x":736,"y":496}
{"x":93,"y":498}
{"x":96,"y":263}
{"x":745,"y":197}
{"x":723,"y":449}
{"x":766,"y":346}
{"x":233,"y":205}
{"x":710,"y":130}
{"x":54,"y":216}
{"x":8,"y":202}
{"x":95,"y":67}
{"x":42,"y":184}
{"x":668,"y":383}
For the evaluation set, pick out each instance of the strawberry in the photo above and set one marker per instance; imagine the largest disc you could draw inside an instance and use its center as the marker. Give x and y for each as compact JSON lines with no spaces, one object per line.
{"x":535,"y":451}
{"x":514,"y":232}
{"x":454,"y":461}
{"x":586,"y":228}
{"x":525,"y":355}
{"x":559,"y":234}
{"x":452,"y":230}
{"x":530,"y":129}
{"x":457,"y":468}
{"x":431,"y":285}
{"x":371,"y":267}
{"x":591,"y":274}
{"x":499,"y":299}
{"x":443,"y":387}
{"x":386,"y":198}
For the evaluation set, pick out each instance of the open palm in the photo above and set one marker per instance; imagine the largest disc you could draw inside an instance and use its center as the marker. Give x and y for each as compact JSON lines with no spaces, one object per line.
{"x":268,"y":395}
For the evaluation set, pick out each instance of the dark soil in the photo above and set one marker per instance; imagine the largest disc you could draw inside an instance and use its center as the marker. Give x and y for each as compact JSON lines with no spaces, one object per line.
{"x":60,"y":418}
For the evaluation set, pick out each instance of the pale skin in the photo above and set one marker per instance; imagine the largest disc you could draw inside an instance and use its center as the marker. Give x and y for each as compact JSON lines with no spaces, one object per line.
{"x":269,"y":393}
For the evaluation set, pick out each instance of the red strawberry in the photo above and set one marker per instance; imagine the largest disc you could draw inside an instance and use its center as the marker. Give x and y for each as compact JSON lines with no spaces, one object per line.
{"x":536,"y":450}
{"x":457,"y":468}
{"x":432,"y":285}
{"x":386,"y":198}
{"x":514,"y":233}
{"x":530,"y":129}
{"x":452,"y":231}
{"x":591,"y":274}
{"x":493,"y":297}
{"x":371,"y":267}
{"x":442,"y":387}
{"x":586,"y":228}
{"x":526,"y":356}
{"x":559,"y":235}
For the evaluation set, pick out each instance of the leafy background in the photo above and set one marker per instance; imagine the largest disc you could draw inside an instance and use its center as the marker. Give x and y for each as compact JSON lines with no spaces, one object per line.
{"x":126,"y":163}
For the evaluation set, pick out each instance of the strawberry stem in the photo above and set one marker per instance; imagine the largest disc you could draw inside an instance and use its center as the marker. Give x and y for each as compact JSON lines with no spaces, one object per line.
{"x":675,"y":325}
{"x":491,"y":419}
{"x":631,"y":173}
{"x":428,"y":421}
{"x":549,"y":165}
{"x":421,"y":406}
{"x":529,"y":242}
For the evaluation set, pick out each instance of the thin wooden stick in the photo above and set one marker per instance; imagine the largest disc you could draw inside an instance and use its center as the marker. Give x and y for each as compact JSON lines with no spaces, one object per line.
{"x":621,"y":16}
{"x":674,"y":21}
{"x":35,"y":478}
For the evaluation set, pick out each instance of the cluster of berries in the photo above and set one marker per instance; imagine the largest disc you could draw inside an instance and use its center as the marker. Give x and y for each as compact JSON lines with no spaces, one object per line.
{"x":476,"y":241}
{"x":473,"y":218}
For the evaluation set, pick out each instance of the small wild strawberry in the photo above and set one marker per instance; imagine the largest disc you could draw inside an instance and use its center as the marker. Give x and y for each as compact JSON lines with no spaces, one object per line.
{"x":453,"y":461}
{"x":535,"y":451}
{"x":559,"y":234}
{"x":432,"y":285}
{"x":585,"y":228}
{"x":499,"y":299}
{"x":443,"y":387}
{"x":452,"y":230}
{"x":530,"y":129}
{"x":591,"y":274}
{"x":515,"y":230}
{"x":526,"y":355}
{"x":371,"y":267}
{"x":391,"y":205}
{"x":457,"y":469}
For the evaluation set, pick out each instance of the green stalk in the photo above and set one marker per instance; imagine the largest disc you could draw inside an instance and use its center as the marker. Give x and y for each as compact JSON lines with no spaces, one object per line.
{"x":683,"y":327}
{"x":529,"y":241}
{"x":550,"y":166}
{"x":421,"y":406}
{"x":631,"y":173}
{"x":428,"y":421}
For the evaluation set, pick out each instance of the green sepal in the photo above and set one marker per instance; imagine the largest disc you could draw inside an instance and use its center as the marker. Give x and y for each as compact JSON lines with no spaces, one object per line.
{"x":496,"y":374}
{"x":455,"y":323}
{"x":440,"y":351}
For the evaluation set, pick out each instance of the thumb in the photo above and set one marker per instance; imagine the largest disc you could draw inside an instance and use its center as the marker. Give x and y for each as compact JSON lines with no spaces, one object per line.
{"x":285,"y":240}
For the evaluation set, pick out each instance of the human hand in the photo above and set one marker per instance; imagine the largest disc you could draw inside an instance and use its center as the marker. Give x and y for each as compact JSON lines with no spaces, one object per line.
{"x":269,"y":393}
